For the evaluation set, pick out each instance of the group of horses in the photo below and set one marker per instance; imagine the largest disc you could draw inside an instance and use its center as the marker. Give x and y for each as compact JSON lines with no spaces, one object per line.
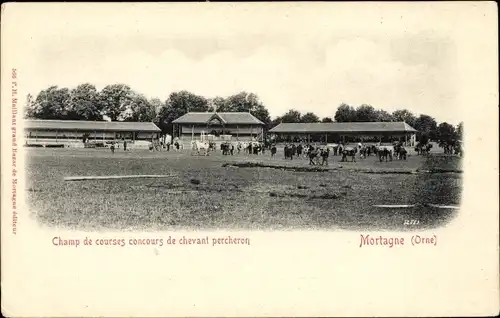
{"x":394,"y":151}
{"x":226,"y":148}
{"x":452,"y":147}
{"x":383,"y":152}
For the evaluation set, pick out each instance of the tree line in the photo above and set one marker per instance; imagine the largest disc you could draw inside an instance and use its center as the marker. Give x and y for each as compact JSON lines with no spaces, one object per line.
{"x":119,"y":102}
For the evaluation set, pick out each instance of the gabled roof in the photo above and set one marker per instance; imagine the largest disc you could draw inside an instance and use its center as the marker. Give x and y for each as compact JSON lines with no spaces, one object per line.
{"x":226,"y":118}
{"x":90,"y":125}
{"x":351,"y":127}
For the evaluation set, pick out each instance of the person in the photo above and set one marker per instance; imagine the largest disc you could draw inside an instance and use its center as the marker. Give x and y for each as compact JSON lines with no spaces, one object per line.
{"x":299,"y":150}
{"x":168,"y":146}
{"x":113,"y":147}
{"x":232,"y":149}
{"x":324,"y":155}
{"x":124,"y":145}
{"x":273,"y":150}
{"x":312,"y":154}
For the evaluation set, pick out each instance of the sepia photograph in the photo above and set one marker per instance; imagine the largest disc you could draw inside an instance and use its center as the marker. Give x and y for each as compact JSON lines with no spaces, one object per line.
{"x":333,"y":131}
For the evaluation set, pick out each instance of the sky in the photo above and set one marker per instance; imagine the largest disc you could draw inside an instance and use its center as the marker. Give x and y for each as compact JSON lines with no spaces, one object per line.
{"x":293,"y":57}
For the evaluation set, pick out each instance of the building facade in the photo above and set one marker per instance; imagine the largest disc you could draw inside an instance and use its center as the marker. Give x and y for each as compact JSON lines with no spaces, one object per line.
{"x":239,"y":126}
{"x":73,"y":132}
{"x":345,"y":132}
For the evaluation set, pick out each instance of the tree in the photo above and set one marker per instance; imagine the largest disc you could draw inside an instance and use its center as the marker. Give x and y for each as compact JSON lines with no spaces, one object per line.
{"x":84,"y":103}
{"x":292,"y":116}
{"x":275,"y":122}
{"x":406,"y":116}
{"x":423,"y":139}
{"x":115,"y":100}
{"x":246,"y":102}
{"x":327,"y":120}
{"x":141,"y":109}
{"x":366,"y":113}
{"x":446,"y":133}
{"x":384,"y":116}
{"x":177,"y":105}
{"x":345,"y":113}
{"x":156,"y":103}
{"x":242,"y":102}
{"x":261,"y":113}
{"x":51,"y":103}
{"x":427,"y":125}
{"x":309,"y":118}
{"x":29,"y":107}
{"x":460,"y":131}
{"x":219,"y":104}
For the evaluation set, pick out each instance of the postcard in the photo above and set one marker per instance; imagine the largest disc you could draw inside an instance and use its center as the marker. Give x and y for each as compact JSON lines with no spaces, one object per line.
{"x":250,"y":159}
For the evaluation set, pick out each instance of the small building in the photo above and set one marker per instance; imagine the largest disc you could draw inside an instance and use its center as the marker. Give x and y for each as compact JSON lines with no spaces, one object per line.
{"x":345,"y":132}
{"x":240,"y":126}
{"x":73,"y":132}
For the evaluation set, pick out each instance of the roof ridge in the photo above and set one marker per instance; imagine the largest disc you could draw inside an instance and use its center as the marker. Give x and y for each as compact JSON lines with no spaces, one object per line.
{"x":91,"y":121}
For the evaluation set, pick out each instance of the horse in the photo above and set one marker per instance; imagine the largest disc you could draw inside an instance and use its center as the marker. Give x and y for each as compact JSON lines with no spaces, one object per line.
{"x":423,"y":149}
{"x":385,"y":152}
{"x":225,"y":148}
{"x":313,"y":154}
{"x":197,"y":145}
{"x":363,"y":152}
{"x":325,"y":153}
{"x":402,"y":153}
{"x":349,"y":152}
{"x":398,"y":149}
{"x":426,"y":149}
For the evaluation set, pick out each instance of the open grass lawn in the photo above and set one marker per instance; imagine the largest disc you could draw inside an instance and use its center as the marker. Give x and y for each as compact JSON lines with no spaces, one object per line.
{"x":231,"y":197}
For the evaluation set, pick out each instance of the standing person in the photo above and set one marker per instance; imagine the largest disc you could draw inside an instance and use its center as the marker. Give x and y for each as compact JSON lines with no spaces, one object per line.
{"x":168,"y":146}
{"x":273,"y":150}
{"x":250,"y":148}
{"x":112,"y":147}
{"x":232,"y":149}
{"x":312,"y":154}
{"x":324,"y":155}
{"x":299,"y":150}
{"x":124,"y":144}
{"x":310,"y":149}
{"x":294,"y":150}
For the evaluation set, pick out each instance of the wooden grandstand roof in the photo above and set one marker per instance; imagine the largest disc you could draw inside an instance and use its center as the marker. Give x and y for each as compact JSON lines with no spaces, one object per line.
{"x":90,"y":125}
{"x":226,"y":118}
{"x":351,"y":127}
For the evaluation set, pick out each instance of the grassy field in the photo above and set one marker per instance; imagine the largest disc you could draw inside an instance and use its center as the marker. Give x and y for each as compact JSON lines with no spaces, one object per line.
{"x":202,"y":194}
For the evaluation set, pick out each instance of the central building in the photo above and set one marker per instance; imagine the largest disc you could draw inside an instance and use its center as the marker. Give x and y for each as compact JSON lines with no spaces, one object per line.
{"x":240,"y":126}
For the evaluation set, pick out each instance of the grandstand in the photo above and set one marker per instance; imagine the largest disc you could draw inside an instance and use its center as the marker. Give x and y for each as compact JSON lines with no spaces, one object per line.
{"x":71,"y":133}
